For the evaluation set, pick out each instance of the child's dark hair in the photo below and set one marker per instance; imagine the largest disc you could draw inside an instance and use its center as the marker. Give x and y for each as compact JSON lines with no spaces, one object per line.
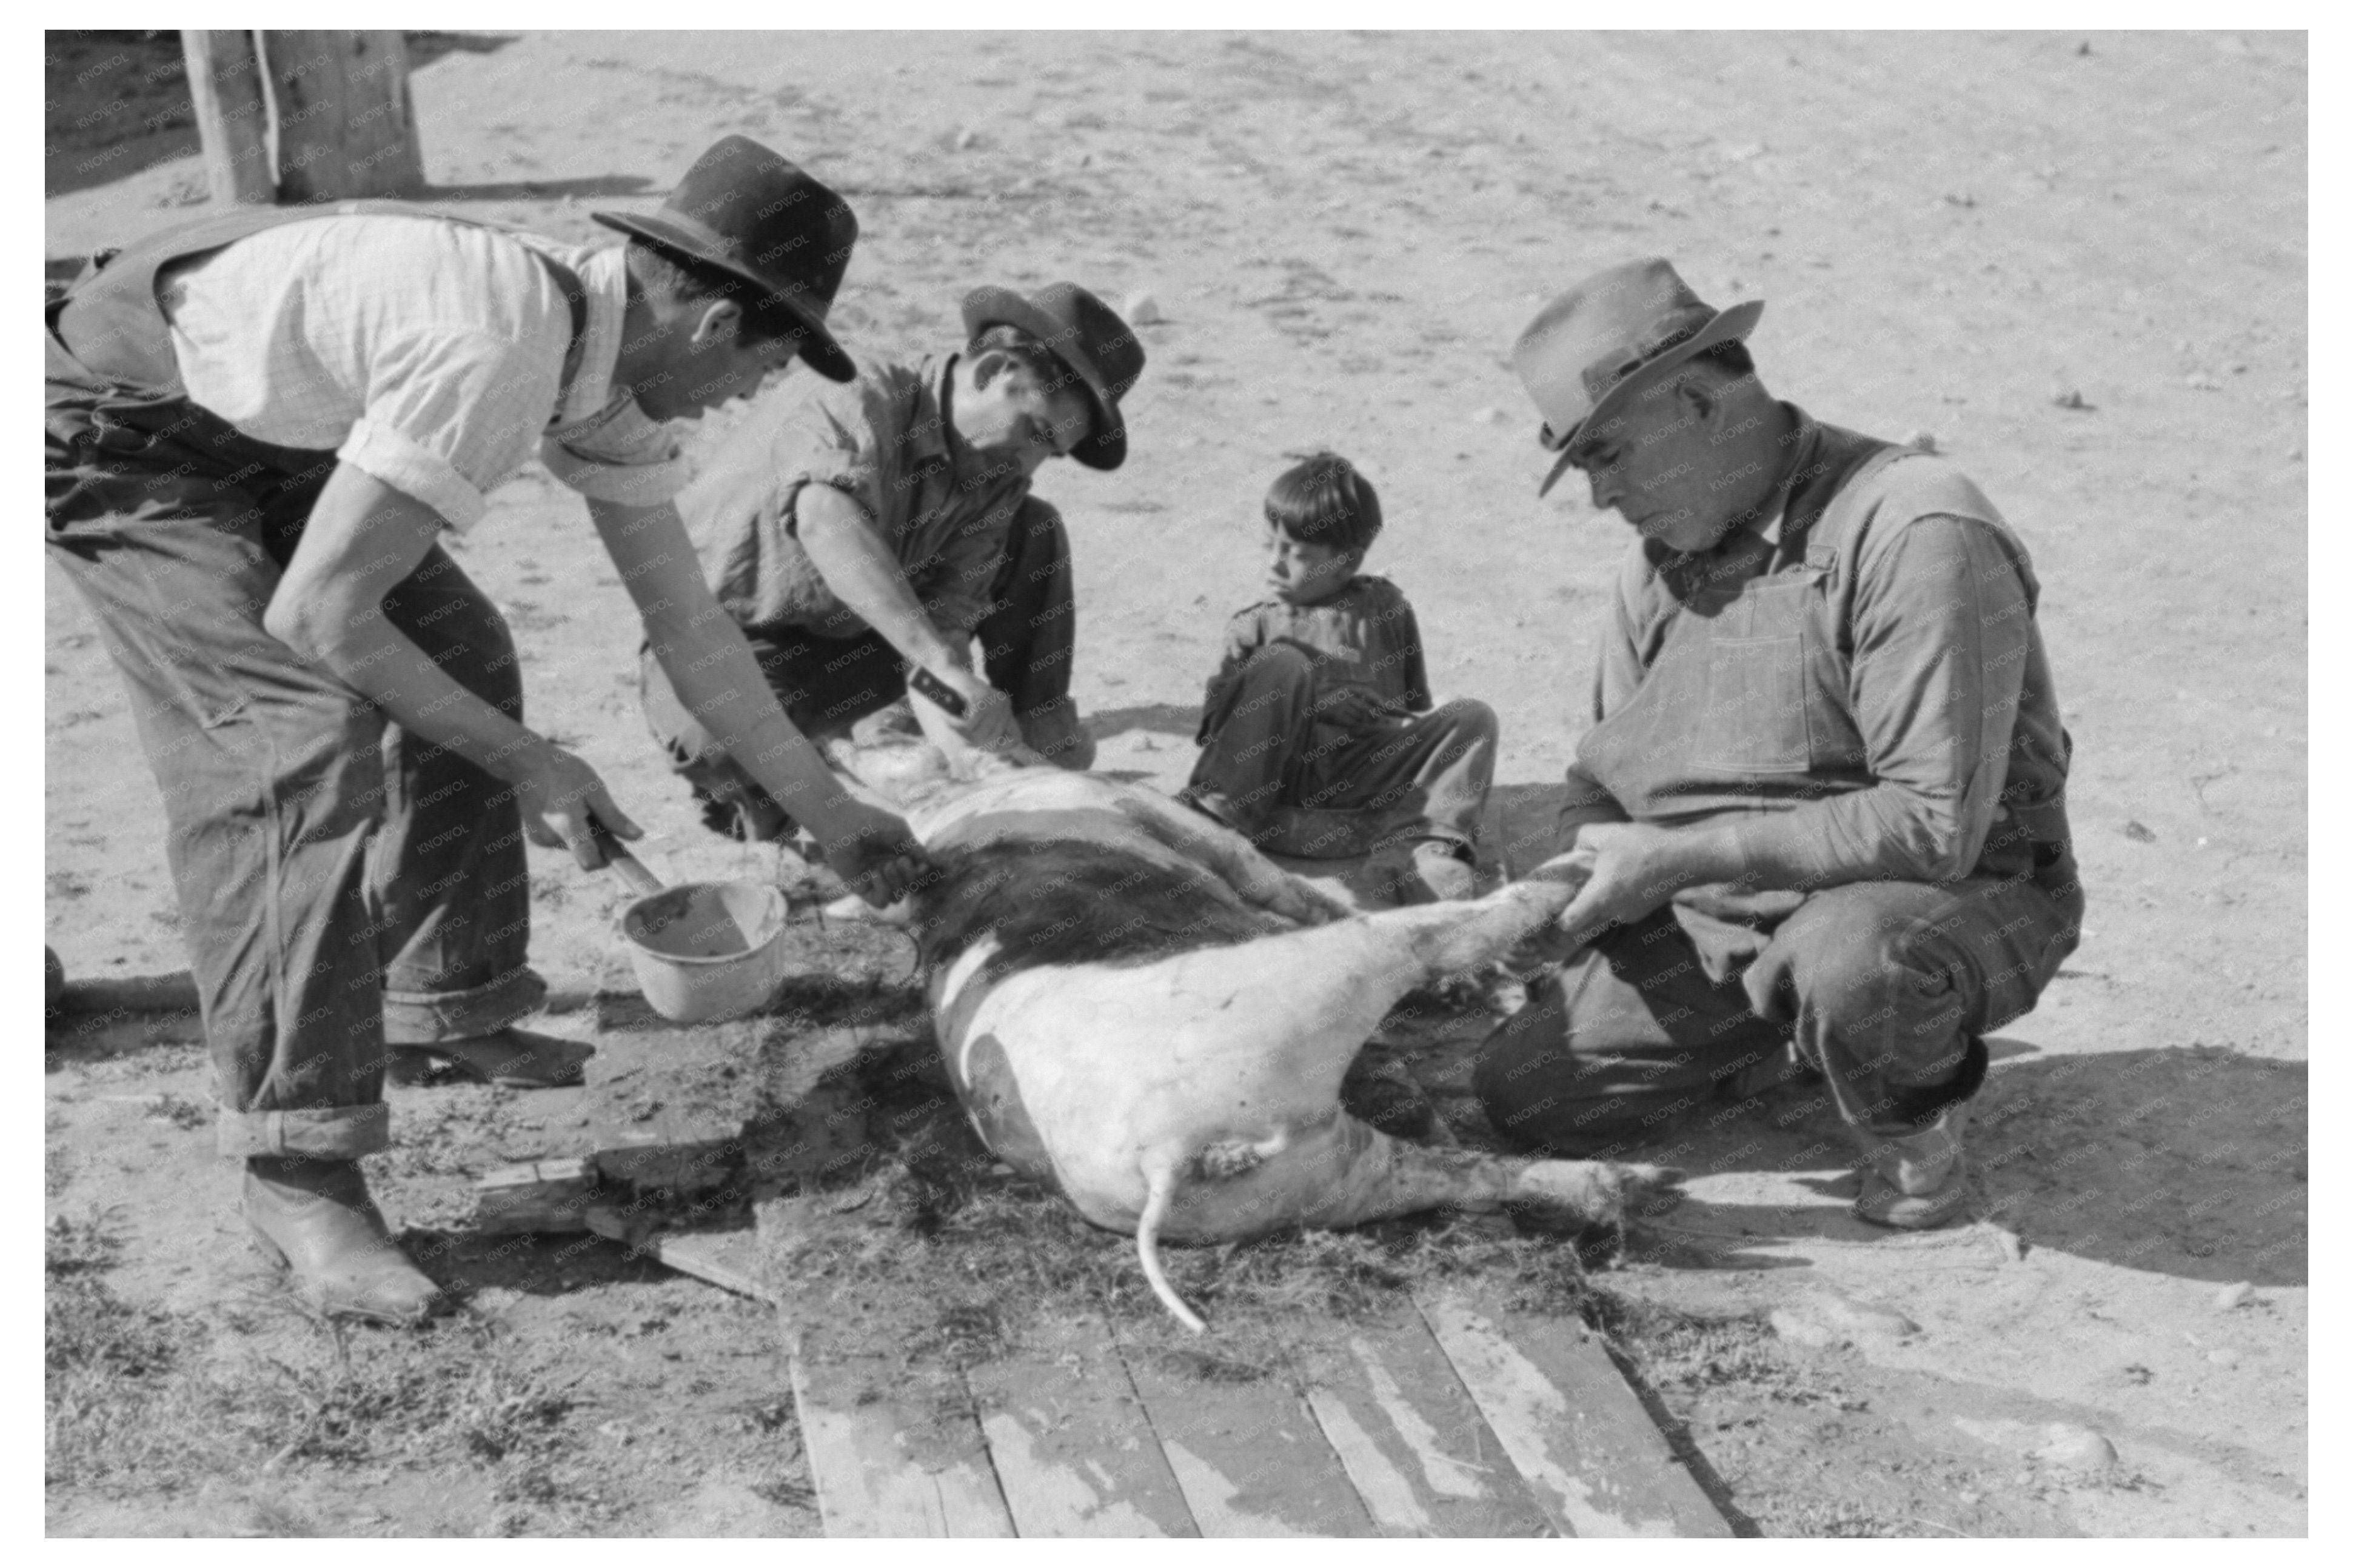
{"x":1324,"y":500}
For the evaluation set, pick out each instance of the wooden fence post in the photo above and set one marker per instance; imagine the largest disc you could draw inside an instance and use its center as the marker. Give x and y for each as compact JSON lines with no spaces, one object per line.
{"x":225,"y":81}
{"x":340,"y":123}
{"x":290,"y":116}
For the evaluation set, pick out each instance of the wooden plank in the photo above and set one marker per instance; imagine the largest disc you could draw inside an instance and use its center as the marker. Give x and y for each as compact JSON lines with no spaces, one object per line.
{"x":887,"y":1460}
{"x":173,"y":992}
{"x":1250,"y":1458}
{"x":544,"y":1196}
{"x":1072,"y":1448}
{"x":232,"y":119}
{"x":655,"y":1180}
{"x":678,"y":1169}
{"x":1578,"y":1436}
{"x":727,"y":1258}
{"x":1412,"y":1440}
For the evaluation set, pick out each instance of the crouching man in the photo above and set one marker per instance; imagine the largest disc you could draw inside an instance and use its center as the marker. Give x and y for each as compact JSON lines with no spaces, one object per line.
{"x":1823,"y":798}
{"x":861,"y":529}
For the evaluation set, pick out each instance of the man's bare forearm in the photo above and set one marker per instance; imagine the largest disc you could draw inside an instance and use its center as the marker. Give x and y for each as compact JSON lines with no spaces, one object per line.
{"x":711,"y":669}
{"x":863,"y":574}
{"x":1701,"y":855}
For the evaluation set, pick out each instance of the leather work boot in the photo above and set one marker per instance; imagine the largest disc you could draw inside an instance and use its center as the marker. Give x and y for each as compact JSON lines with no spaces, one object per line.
{"x":316,"y":1219}
{"x":1056,"y":733}
{"x":1915,"y":1182}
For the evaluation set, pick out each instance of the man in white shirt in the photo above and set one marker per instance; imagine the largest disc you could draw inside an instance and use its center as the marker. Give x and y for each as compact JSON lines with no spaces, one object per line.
{"x":257,"y":426}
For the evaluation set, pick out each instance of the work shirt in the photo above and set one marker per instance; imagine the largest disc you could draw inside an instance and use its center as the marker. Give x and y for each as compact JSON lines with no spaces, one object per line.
{"x":430,"y":355}
{"x":1363,"y":638}
{"x":1864,"y":696}
{"x":885,"y":439}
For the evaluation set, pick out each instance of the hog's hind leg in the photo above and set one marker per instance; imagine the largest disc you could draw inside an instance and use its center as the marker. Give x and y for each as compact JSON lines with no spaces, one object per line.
{"x":1370,"y":1175}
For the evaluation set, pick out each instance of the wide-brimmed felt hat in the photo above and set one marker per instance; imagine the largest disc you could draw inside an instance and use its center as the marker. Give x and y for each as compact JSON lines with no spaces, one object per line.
{"x":1591,"y":348}
{"x":1085,"y":334}
{"x":761,"y":218}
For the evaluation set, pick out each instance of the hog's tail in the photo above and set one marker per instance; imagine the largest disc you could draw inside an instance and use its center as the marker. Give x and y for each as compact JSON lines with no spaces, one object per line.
{"x":1160,"y":1176}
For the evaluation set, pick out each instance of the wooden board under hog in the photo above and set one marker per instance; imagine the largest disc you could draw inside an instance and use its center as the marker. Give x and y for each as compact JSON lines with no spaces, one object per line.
{"x":1574,"y":1431}
{"x":1411,"y":1438}
{"x":1074,"y":1450}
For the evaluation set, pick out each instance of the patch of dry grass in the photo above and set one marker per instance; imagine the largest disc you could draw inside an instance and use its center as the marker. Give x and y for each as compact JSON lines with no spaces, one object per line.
{"x":148,"y":1401}
{"x":1682,"y":1353}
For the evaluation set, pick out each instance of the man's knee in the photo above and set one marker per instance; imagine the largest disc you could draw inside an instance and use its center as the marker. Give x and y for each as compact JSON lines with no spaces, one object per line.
{"x":1862,"y":965}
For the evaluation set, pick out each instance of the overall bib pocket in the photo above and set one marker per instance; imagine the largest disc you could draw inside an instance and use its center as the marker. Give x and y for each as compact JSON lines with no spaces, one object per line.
{"x":1757,"y":719}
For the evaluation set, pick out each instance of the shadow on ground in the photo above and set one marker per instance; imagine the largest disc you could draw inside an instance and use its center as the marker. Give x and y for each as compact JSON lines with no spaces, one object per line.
{"x":423,"y":48}
{"x":1160,"y":718}
{"x":2187,"y":1163}
{"x":116,"y":102}
{"x":586,"y":187}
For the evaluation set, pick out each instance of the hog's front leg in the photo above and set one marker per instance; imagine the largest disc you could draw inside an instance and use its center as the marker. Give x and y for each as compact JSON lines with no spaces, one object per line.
{"x":1259,"y":880}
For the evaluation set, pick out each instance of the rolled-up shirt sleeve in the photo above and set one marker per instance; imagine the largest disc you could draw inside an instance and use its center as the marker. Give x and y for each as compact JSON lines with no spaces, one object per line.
{"x":386,"y":452}
{"x":1942,"y":627}
{"x":838,"y":437}
{"x":448,"y":415}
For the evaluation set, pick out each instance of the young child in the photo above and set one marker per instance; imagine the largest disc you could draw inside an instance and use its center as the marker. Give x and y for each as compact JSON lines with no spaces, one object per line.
{"x":1317,"y":732}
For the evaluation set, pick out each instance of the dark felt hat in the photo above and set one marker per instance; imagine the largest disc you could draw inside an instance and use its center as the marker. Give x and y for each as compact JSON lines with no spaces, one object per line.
{"x":746,"y":211}
{"x":1591,"y":348}
{"x":1085,"y":334}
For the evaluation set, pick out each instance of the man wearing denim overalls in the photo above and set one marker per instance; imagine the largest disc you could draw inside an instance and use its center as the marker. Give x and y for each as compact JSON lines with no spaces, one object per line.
{"x":1821,"y":804}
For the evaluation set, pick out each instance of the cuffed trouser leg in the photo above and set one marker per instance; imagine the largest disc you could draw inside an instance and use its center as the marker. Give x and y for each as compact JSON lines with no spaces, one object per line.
{"x":447,"y":880}
{"x":1886,"y":988}
{"x":1890,"y":987}
{"x":272,"y":781}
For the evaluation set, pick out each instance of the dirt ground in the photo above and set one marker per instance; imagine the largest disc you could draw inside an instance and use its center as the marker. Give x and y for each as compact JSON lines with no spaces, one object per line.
{"x":2076,"y":263}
